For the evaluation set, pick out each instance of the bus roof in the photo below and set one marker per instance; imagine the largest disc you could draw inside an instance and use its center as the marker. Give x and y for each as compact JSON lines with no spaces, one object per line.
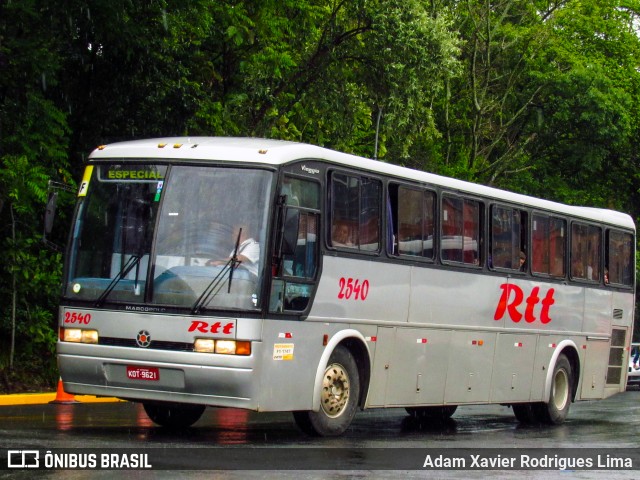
{"x":279,"y":152}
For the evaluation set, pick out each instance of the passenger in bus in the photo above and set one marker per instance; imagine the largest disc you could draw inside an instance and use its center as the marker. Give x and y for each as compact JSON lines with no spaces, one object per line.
{"x":523,"y":262}
{"x":341,"y":236}
{"x":248,"y":251}
{"x":557,"y":265}
{"x":577,"y":270}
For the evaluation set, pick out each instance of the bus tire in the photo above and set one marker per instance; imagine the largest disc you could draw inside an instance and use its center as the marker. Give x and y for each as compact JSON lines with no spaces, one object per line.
{"x":526,"y":413}
{"x":173,"y":415}
{"x":338,"y":397}
{"x":438,"y":413}
{"x":556,"y":409}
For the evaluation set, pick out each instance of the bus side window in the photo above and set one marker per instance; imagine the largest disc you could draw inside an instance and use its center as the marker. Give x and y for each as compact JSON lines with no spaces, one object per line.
{"x":302,"y":262}
{"x":548,"y":245}
{"x":508,"y":238}
{"x":355,"y":212}
{"x":619,"y":258}
{"x":415,"y":222}
{"x":461,"y":226}
{"x":585,"y":252}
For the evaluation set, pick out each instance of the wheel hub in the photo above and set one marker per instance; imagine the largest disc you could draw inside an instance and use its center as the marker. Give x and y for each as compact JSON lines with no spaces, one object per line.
{"x":335,"y":390}
{"x":560,"y":390}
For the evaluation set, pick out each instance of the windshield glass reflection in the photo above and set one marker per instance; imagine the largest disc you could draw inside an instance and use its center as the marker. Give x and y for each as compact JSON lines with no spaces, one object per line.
{"x":204,"y":215}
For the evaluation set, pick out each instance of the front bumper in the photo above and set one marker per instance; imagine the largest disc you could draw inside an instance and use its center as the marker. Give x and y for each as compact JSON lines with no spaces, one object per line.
{"x":183,"y":377}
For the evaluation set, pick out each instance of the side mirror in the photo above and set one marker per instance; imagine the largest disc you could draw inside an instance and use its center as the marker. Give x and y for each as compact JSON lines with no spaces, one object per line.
{"x":50,"y":212}
{"x":290,"y":234}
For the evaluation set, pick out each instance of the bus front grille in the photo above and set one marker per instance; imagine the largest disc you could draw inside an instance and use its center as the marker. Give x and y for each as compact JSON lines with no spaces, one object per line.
{"x":154,"y":345}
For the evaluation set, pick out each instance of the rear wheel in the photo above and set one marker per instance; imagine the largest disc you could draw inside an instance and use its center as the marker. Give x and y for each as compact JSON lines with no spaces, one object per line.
{"x":555,"y":411}
{"x":436,"y":414}
{"x":338,"y":397}
{"x":173,"y":415}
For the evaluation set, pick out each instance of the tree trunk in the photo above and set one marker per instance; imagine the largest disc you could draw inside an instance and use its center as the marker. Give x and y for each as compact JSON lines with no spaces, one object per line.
{"x":14,"y":293}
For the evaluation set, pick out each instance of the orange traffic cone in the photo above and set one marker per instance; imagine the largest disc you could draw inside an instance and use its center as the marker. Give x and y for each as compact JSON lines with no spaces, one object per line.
{"x":63,"y":397}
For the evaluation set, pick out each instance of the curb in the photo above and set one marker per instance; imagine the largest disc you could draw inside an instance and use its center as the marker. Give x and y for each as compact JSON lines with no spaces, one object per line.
{"x":43,"y":398}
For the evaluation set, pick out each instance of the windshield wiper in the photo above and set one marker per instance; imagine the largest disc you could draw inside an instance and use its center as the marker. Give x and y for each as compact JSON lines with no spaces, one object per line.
{"x":124,"y":271}
{"x":214,"y":286}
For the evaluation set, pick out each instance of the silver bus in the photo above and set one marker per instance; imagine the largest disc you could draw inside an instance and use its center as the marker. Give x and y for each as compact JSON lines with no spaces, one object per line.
{"x":278,"y":276}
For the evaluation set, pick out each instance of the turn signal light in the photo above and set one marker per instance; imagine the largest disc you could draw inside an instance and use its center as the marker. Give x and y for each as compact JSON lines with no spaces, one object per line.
{"x":243,"y":348}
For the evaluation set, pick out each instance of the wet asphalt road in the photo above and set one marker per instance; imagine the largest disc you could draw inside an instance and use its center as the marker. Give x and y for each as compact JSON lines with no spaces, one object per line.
{"x":610,"y":423}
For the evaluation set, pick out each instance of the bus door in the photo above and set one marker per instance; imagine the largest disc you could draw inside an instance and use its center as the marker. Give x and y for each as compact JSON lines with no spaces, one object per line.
{"x":295,"y":263}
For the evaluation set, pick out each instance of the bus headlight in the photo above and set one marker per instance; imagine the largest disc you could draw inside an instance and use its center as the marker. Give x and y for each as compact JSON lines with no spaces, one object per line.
{"x":204,"y":345}
{"x":78,"y":335}
{"x":224,"y":347}
{"x":227,"y":347}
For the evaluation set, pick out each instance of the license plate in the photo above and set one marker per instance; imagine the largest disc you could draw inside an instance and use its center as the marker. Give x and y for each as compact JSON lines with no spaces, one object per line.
{"x":143,"y":373}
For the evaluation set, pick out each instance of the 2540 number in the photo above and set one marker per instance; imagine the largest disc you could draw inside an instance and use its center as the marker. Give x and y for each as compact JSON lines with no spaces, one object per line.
{"x":353,"y":287}
{"x":77,"y":317}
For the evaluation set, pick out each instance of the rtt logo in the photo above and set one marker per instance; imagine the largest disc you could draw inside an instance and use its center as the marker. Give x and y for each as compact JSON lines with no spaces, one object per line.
{"x":205,"y":327}
{"x":511,"y":300}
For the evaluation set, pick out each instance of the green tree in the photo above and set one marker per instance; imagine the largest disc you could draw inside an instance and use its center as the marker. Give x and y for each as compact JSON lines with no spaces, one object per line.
{"x":125,"y":70}
{"x":586,"y":123}
{"x":33,"y":147}
{"x":547,"y":103}
{"x":30,"y":267}
{"x":539,"y":96}
{"x":321,"y":72}
{"x":485,"y":112}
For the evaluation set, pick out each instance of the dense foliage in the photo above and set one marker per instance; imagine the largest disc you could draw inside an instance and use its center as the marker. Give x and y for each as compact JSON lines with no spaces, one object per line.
{"x":537,"y":96}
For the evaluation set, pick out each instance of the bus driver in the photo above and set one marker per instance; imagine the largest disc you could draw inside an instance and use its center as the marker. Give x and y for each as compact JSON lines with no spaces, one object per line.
{"x":248,"y":253}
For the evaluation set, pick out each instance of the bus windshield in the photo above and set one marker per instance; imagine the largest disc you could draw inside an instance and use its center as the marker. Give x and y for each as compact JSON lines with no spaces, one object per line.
{"x":166,"y":235}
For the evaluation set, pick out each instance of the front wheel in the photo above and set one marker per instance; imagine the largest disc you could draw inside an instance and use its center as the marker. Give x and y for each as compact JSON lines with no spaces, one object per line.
{"x":338,"y":397}
{"x":526,"y":413}
{"x":173,"y":415}
{"x":555,"y":411}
